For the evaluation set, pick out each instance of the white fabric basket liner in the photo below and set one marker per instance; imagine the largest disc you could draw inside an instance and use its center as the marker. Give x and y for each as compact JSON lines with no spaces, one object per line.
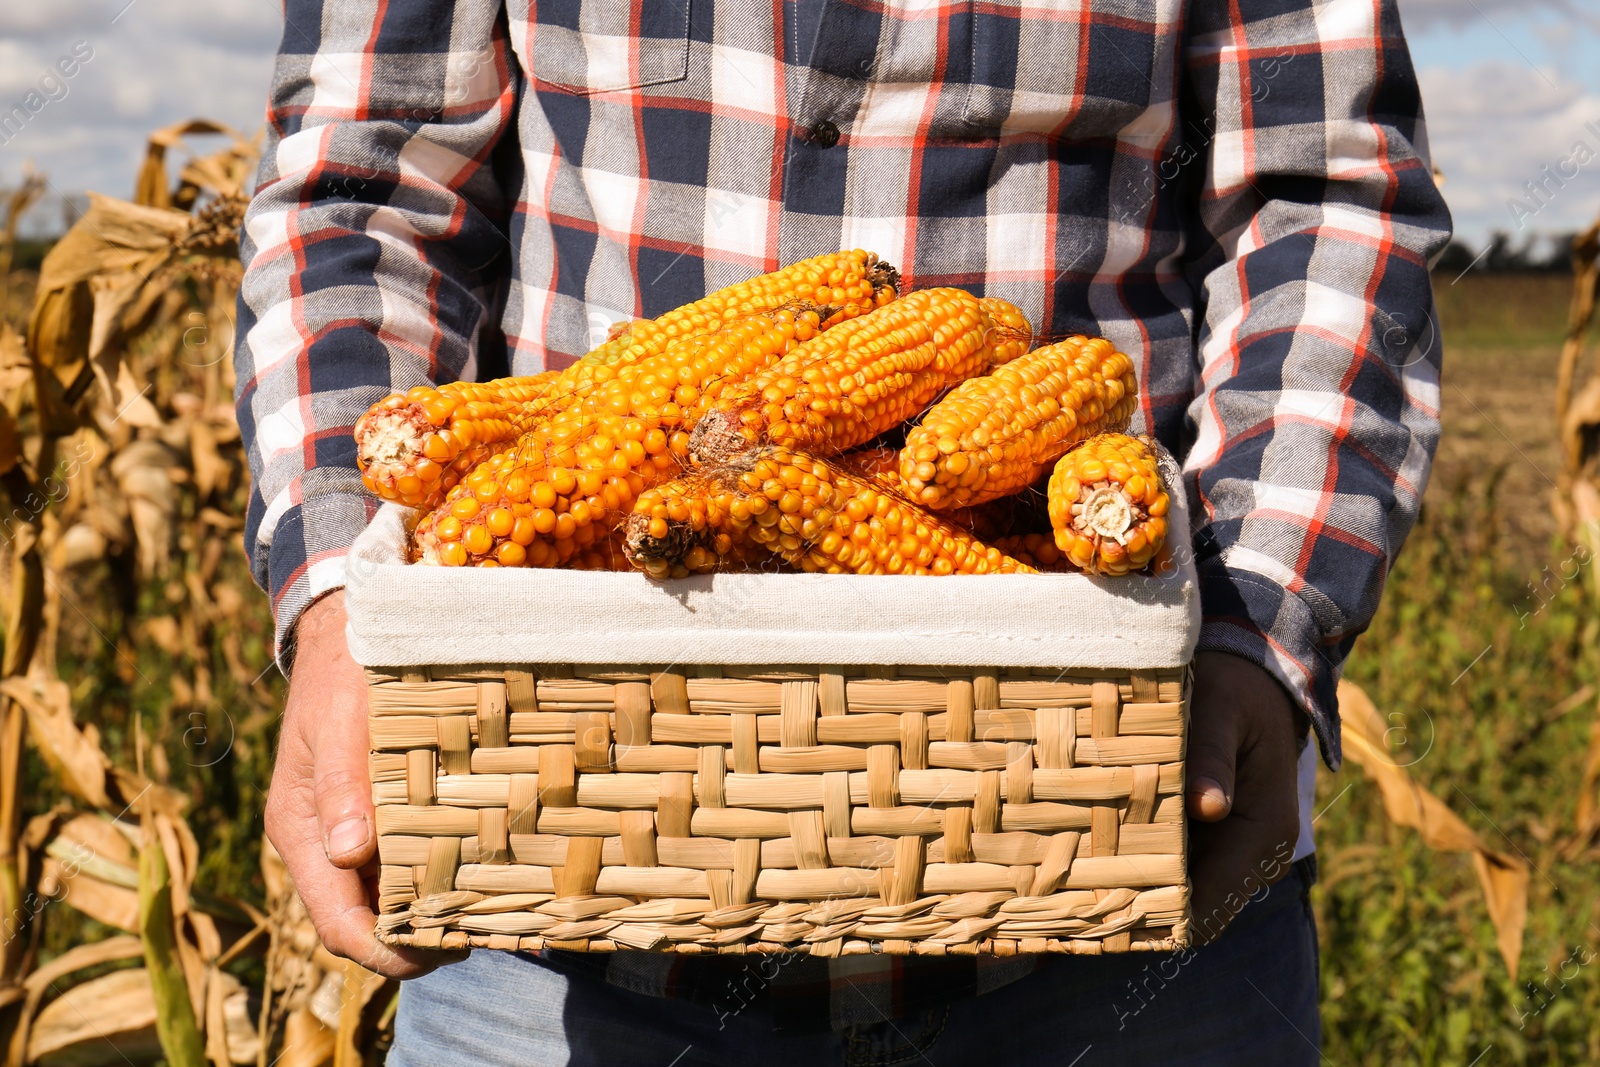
{"x":412,"y":616}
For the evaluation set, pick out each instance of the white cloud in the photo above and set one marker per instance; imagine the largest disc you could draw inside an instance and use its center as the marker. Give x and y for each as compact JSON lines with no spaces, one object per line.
{"x":52,"y":20}
{"x":159,"y":62}
{"x":1495,"y":126}
{"x":1424,"y":14}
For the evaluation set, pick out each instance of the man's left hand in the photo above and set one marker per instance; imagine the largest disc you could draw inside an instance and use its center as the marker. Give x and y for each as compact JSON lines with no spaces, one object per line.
{"x":1244,"y":740}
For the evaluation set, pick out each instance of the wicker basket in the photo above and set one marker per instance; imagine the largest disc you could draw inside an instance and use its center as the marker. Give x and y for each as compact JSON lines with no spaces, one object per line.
{"x":532,"y":793}
{"x":828,"y":810}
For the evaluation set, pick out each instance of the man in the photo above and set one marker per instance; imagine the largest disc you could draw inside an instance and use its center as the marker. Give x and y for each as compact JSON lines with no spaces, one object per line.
{"x":1238,"y":195}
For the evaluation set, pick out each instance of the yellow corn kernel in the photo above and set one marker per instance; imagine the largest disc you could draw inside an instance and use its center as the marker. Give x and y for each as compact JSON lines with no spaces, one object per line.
{"x":1037,"y":550}
{"x":823,"y":519}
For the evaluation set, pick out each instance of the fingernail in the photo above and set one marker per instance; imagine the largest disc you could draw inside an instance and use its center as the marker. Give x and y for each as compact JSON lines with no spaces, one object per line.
{"x":347,"y":836}
{"x":1211,"y":788}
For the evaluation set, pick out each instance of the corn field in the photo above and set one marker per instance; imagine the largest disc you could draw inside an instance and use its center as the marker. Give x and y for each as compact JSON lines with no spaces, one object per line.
{"x":144,"y":918}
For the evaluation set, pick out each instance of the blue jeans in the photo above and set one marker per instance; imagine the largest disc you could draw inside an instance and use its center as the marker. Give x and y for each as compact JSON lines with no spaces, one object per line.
{"x":1248,"y":998}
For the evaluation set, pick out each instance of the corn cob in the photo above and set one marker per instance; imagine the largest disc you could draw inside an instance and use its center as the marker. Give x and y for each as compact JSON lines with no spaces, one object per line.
{"x":995,"y":435}
{"x":823,"y":519}
{"x":685,"y":527}
{"x":1037,"y":550}
{"x":857,"y":380}
{"x":413,"y":447}
{"x":1108,"y":506}
{"x":843,"y":284}
{"x":587,"y":463}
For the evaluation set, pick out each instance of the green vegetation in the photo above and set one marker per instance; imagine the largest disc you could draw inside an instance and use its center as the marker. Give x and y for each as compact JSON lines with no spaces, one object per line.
{"x":1480,"y":657}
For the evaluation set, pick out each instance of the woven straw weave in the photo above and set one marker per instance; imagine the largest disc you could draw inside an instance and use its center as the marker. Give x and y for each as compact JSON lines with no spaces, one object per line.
{"x":827,"y":810}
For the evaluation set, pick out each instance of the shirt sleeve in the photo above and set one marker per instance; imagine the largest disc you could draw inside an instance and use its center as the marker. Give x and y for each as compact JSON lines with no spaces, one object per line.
{"x":374,"y":250}
{"x":1318,"y":410}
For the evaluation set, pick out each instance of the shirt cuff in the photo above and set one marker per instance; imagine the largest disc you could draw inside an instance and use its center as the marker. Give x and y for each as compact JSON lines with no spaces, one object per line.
{"x":1257,"y":619}
{"x":306,"y":558}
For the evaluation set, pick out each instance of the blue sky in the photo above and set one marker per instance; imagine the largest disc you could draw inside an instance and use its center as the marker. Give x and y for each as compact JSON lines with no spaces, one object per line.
{"x":1509,"y":86}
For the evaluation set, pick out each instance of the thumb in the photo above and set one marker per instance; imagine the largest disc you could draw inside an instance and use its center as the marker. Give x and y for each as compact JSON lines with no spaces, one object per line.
{"x":1213,"y":754}
{"x":328,"y":692}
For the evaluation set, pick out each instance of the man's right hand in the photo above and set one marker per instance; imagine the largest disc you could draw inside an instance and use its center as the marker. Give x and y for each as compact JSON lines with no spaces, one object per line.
{"x":319,"y":811}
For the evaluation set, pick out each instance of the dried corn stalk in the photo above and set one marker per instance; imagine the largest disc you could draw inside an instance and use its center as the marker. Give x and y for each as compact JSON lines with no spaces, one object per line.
{"x":136,"y":299}
{"x":1577,"y":496}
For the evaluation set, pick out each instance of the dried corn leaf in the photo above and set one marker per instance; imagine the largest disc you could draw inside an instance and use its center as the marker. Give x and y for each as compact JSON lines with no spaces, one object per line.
{"x":10,"y":441}
{"x":144,"y":473}
{"x":81,"y":837}
{"x":113,"y":237}
{"x":1580,"y":427}
{"x":225,"y":172}
{"x":1587,"y":816}
{"x":358,"y":987}
{"x":151,"y":186}
{"x":16,"y":366}
{"x":210,"y":469}
{"x":19,"y":200}
{"x":106,"y":1020}
{"x":130,"y":402}
{"x":131,"y":784}
{"x":104,"y":902}
{"x":80,"y":545}
{"x":306,"y":1042}
{"x":105,"y":259}
{"x":80,"y":765}
{"x":58,"y":338}
{"x":163,"y":630}
{"x":1504,"y":878}
{"x":1585,"y":289}
{"x":231,"y":1034}
{"x":47,"y":978}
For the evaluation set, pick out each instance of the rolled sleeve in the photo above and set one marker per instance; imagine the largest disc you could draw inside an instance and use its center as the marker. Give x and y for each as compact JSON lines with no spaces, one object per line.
{"x":1318,"y":410}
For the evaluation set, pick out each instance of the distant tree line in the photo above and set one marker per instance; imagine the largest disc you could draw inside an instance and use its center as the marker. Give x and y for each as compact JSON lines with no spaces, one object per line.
{"x":1535,"y":254}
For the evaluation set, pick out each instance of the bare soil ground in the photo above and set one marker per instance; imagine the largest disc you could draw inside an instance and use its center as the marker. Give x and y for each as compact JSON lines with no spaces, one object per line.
{"x":1501,"y":337}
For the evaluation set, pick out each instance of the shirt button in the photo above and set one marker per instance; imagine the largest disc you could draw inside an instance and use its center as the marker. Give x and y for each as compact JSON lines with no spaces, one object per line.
{"x":825,"y":134}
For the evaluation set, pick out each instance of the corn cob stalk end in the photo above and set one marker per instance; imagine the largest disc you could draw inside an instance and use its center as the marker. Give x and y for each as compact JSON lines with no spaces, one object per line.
{"x":1108,"y":505}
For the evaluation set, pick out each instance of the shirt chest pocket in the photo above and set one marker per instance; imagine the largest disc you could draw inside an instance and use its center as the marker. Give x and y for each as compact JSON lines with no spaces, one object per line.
{"x":1072,"y":68}
{"x":600,"y":46}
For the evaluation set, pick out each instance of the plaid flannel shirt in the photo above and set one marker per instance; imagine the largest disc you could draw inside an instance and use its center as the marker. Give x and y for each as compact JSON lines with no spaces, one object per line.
{"x":1237,"y":194}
